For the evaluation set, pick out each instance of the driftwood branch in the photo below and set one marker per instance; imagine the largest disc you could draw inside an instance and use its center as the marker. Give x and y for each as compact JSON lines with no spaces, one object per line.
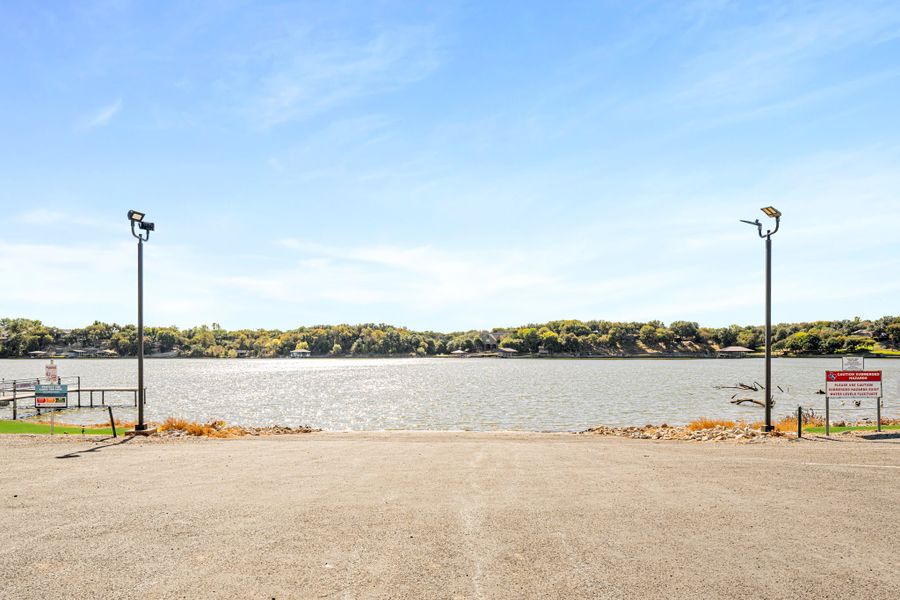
{"x":740,"y":401}
{"x":741,"y":386}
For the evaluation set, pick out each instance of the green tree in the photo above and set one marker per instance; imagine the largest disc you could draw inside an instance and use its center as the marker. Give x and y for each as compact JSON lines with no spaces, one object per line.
{"x":516,"y":344}
{"x":648,"y":334}
{"x":550,"y":341}
{"x":685,"y":330}
{"x":530,"y":337}
{"x":893,"y":333}
{"x":748,"y":338}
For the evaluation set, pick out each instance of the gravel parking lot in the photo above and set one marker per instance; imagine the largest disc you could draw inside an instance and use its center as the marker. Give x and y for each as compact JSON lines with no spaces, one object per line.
{"x":448,"y":515}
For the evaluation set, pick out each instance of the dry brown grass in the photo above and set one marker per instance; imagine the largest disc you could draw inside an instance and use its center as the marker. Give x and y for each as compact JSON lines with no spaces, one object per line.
{"x":789,"y":424}
{"x":786,"y":425}
{"x":213,"y":429}
{"x":704,"y":423}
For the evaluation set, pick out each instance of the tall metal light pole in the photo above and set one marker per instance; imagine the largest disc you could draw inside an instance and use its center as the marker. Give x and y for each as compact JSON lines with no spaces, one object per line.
{"x":774,"y":213}
{"x":137,"y":218}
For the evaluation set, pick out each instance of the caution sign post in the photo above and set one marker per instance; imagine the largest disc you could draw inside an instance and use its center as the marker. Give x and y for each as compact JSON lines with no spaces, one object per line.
{"x":852,"y":384}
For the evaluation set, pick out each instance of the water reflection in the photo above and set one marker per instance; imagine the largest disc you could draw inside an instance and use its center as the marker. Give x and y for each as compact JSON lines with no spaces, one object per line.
{"x":453,"y":394}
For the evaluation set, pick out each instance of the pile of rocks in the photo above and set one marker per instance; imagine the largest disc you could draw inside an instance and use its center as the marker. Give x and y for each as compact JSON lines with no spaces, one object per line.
{"x":665,"y":432}
{"x":218,"y":429}
{"x":274,"y":430}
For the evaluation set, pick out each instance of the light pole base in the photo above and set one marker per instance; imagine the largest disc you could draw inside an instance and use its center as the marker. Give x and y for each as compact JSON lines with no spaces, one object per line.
{"x":767,"y":428}
{"x":143,"y":432}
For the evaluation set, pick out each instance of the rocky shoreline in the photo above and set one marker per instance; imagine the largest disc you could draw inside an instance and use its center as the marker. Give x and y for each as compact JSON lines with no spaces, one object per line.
{"x":719,"y":433}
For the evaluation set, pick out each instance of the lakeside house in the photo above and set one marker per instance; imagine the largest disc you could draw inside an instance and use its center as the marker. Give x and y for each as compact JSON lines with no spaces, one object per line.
{"x":733,"y":352}
{"x":301,"y":353}
{"x":490,"y":340}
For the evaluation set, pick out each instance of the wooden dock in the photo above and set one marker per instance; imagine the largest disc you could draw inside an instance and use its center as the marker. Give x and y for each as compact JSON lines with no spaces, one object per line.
{"x":16,"y":391}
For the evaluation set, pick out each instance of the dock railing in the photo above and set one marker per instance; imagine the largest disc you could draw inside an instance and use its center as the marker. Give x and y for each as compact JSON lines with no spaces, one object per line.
{"x":15,"y":391}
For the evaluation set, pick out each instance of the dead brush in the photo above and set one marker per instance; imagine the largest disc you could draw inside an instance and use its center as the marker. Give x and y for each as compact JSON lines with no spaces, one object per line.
{"x":705,"y":423}
{"x":213,"y":429}
{"x":789,"y":424}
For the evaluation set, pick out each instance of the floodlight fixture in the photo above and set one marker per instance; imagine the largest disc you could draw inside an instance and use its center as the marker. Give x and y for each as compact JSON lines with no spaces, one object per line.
{"x":137,"y":218}
{"x":774,"y":213}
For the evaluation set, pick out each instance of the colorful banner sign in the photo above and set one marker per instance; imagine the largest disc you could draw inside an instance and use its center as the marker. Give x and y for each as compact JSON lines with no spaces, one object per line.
{"x":51,"y":396}
{"x":853,"y":384}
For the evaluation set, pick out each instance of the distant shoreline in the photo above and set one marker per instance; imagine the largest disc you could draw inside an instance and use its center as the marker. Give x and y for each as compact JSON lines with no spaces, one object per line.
{"x":645,"y":356}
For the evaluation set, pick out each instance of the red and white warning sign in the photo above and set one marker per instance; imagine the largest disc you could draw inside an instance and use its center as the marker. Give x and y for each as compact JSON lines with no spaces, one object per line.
{"x":853,"y":384}
{"x":51,"y":373}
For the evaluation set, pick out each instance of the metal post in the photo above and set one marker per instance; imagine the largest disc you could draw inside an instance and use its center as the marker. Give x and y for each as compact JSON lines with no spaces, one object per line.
{"x":774,"y":213}
{"x":878,"y":414}
{"x":768,"y":426}
{"x":79,"y":391}
{"x":15,"y":408}
{"x":799,"y":422}
{"x":827,"y":417}
{"x":141,"y":426}
{"x":112,"y":422}
{"x":137,"y":220}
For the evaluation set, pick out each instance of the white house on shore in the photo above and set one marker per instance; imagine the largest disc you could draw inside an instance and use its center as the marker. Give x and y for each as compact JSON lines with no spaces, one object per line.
{"x":301,"y":353}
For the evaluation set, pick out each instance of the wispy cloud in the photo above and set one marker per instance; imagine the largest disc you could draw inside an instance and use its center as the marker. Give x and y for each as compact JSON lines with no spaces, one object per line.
{"x":750,"y":62}
{"x":319,"y":75}
{"x":46,"y":217}
{"x":101,"y":117}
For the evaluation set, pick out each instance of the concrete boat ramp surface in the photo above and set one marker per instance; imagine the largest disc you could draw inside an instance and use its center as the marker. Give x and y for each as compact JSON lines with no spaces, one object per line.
{"x":448,"y":515}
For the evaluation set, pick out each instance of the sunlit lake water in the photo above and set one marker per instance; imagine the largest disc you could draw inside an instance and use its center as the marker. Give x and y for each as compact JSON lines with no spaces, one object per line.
{"x":454,"y":394}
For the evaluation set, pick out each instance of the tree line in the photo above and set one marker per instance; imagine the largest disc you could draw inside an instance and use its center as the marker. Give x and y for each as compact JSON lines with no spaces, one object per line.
{"x":18,"y":337}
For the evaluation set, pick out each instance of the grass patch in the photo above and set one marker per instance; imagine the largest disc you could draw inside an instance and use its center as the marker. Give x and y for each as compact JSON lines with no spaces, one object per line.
{"x":879,"y":349}
{"x":44,"y":428}
{"x":848,"y":428}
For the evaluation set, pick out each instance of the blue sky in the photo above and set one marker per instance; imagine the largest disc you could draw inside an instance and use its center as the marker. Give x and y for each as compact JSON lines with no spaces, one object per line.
{"x":448,"y":165}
